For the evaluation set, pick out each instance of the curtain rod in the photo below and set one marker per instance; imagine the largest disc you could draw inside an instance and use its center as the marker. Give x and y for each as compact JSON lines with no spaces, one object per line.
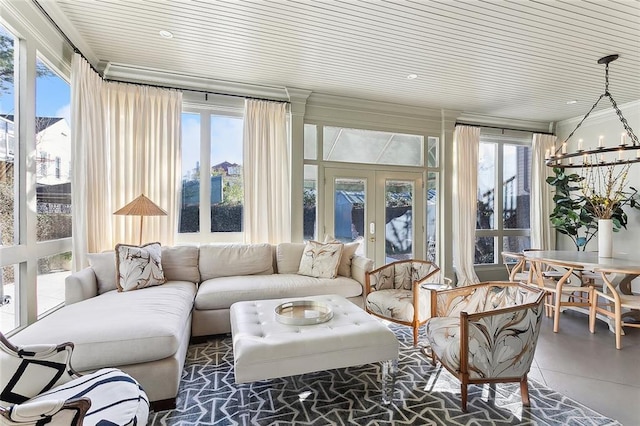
{"x":458,"y":123}
{"x":76,"y":50}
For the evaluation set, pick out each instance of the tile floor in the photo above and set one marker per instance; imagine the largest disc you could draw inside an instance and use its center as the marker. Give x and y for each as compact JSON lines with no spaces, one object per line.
{"x":588,"y":368}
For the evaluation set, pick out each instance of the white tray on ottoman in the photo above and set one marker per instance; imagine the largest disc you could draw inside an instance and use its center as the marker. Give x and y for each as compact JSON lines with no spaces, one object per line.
{"x":264,"y":348}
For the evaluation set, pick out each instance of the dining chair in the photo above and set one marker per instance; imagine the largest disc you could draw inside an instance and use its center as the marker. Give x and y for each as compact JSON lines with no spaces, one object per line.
{"x":565,"y":291}
{"x":516,"y":265}
{"x":614,"y":302}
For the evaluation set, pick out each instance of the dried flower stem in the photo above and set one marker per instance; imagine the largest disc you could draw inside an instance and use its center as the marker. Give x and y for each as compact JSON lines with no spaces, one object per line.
{"x":603,"y":187}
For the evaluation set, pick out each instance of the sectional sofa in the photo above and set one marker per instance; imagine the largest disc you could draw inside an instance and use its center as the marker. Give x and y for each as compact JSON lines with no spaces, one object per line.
{"x":146,"y":332}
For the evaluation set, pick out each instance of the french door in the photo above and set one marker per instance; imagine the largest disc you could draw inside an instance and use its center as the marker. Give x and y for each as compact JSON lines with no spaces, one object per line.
{"x":384,"y":210}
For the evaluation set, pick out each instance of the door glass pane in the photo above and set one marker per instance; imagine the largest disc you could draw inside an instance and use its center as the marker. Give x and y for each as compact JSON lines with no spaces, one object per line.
{"x":52,"y":271}
{"x":432,"y":217}
{"x":190,"y":197}
{"x":349,"y":209}
{"x":398,"y":220}
{"x":516,"y":186}
{"x":485,"y":250}
{"x":373,"y":147}
{"x":516,"y":243}
{"x":53,"y":154}
{"x":309,"y":199}
{"x":227,"y":193}
{"x":310,"y":142}
{"x":8,"y":148}
{"x":8,"y":298}
{"x":486,"y":185}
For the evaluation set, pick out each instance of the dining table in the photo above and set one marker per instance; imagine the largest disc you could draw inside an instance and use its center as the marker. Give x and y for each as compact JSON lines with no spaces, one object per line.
{"x":590,"y":261}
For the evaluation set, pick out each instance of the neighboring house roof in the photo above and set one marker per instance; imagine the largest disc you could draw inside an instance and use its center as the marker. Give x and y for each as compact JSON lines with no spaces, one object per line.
{"x":41,"y":122}
{"x":225,"y":165}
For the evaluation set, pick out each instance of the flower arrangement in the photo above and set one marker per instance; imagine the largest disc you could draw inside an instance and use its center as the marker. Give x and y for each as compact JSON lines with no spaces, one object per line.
{"x":603,"y":188}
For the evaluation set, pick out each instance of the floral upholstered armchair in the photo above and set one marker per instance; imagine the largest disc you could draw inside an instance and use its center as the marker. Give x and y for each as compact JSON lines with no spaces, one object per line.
{"x":394,"y":292}
{"x":38,"y":386}
{"x":486,"y":332}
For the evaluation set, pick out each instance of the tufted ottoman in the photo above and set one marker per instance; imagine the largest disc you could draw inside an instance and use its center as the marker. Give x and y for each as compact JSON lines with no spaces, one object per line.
{"x":264,"y":349}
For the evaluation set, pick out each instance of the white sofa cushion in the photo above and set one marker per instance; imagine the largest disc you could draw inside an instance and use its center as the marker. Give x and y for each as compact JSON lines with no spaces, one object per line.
{"x":104,"y":266}
{"x":221,"y":293}
{"x":288,"y":257}
{"x":180,"y":263}
{"x":225,"y":260}
{"x":118,"y":328}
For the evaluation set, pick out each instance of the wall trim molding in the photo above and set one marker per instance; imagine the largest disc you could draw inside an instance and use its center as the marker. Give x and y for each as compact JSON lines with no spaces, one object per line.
{"x":508,"y":123}
{"x":601,"y":115}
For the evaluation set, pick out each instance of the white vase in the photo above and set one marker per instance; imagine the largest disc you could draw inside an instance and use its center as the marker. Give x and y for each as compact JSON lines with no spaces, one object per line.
{"x":605,"y":238}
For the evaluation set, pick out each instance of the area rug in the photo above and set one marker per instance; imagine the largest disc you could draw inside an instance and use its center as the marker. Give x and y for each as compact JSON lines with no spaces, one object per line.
{"x":424,"y":395}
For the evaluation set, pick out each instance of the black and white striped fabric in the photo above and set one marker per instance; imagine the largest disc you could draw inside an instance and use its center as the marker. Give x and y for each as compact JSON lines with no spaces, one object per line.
{"x":116,"y":399}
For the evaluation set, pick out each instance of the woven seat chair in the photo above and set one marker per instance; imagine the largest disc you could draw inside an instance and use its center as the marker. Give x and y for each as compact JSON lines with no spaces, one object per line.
{"x":562,"y":292}
{"x":613,"y":301}
{"x":393,"y":292}
{"x":38,"y":387}
{"x":486,"y":333}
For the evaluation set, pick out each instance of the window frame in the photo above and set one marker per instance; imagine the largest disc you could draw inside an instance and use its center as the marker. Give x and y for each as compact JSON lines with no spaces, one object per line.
{"x":204,"y":235}
{"x":499,"y":232}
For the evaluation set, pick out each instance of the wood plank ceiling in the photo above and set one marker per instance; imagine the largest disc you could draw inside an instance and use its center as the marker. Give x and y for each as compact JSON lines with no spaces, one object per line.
{"x":510,"y":59}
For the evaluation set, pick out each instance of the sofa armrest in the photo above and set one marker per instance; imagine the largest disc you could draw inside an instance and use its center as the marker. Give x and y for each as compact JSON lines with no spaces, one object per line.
{"x":59,"y":412}
{"x":80,"y":285}
{"x":360,"y":265}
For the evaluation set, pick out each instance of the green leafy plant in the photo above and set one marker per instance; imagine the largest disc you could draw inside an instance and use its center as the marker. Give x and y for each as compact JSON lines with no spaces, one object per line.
{"x":570,"y":216}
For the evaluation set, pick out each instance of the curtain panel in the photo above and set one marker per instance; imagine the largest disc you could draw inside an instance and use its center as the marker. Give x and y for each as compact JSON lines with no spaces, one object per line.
{"x":542,"y":234}
{"x":466,"y":142}
{"x":126,"y":141}
{"x":267,"y":199}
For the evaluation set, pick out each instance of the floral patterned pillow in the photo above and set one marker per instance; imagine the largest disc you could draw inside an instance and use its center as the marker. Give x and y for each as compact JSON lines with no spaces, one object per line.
{"x":139,"y":267}
{"x":320,"y":260}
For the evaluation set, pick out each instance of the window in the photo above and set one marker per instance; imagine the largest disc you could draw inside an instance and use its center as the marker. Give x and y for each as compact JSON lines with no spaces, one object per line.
{"x":53,"y":185}
{"x":504,"y":168}
{"x":212,"y":185}
{"x":33,"y":242}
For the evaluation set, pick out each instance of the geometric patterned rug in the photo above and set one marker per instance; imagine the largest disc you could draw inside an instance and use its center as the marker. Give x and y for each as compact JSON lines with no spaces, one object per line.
{"x":424,"y":395}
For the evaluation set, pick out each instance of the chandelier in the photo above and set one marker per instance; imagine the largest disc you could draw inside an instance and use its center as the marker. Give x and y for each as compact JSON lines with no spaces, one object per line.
{"x":626,"y":152}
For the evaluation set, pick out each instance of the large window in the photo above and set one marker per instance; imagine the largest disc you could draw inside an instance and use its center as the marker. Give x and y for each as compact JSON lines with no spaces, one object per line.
{"x":35,"y":173}
{"x":212,"y":186}
{"x":504,"y":169}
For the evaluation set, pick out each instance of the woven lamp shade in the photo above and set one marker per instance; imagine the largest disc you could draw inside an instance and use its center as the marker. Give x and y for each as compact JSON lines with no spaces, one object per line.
{"x":141,"y":206}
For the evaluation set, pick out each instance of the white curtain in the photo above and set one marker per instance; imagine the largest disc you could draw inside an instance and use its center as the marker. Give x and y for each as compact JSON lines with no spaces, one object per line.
{"x":542,"y":234}
{"x":267,"y":213}
{"x":466,"y":141}
{"x":126,"y":141}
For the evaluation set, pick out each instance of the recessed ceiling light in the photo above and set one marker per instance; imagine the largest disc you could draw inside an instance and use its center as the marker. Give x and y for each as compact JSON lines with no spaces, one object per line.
{"x":571,"y":102}
{"x":166,"y":34}
{"x":412,"y":76}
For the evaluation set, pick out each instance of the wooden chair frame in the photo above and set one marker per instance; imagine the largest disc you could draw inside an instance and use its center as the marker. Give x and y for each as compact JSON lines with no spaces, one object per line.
{"x":612,"y":308}
{"x":466,"y":318}
{"x":556,"y":289}
{"x":415,"y":324}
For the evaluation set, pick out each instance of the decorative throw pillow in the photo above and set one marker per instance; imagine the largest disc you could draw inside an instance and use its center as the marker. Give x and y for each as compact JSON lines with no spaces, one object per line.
{"x":139,"y":267}
{"x":348,"y":251}
{"x":320,"y":260}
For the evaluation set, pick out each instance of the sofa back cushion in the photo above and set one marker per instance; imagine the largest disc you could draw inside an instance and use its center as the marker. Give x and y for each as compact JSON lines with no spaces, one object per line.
{"x":104,"y":266}
{"x":180,"y":263}
{"x":288,"y":257}
{"x":225,"y":260}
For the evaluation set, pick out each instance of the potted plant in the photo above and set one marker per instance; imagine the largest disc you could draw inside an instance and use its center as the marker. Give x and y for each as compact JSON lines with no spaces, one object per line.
{"x":571,"y":216}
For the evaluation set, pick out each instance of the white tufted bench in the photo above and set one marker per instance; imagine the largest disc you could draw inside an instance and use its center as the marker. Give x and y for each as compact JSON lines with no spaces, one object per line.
{"x":264,"y":349}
